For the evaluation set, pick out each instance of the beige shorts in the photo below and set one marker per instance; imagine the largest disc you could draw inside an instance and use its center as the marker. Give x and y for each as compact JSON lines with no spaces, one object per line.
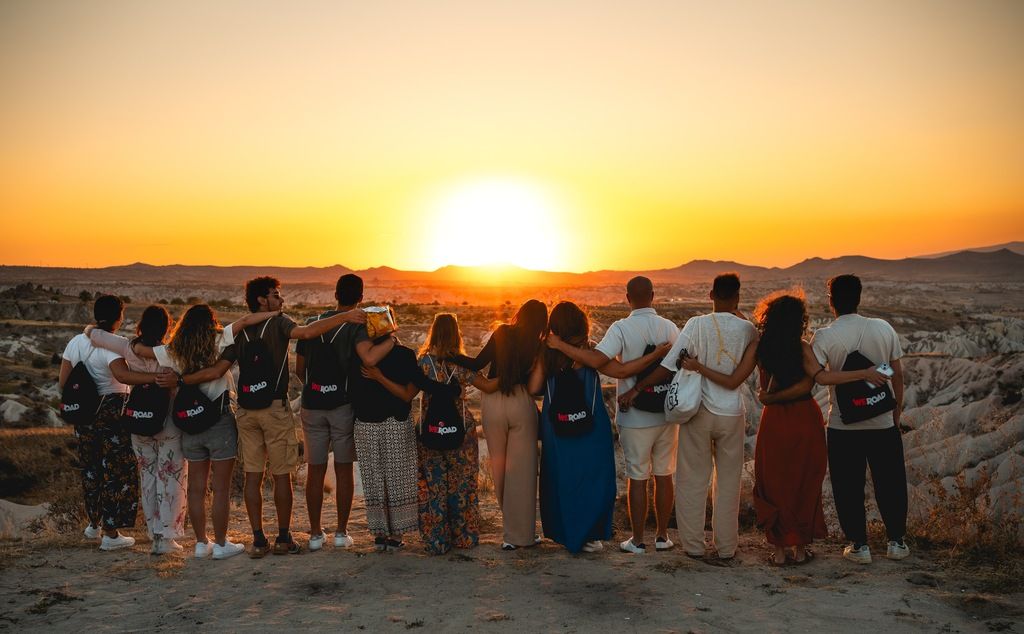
{"x":268,"y":435}
{"x":649,"y":450}
{"x":328,"y":430}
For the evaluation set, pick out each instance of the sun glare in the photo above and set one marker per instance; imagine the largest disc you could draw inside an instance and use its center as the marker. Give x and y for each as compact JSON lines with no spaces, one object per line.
{"x":497,"y":222}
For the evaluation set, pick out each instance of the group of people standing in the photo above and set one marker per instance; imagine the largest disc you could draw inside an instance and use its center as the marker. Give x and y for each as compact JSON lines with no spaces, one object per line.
{"x":357,"y":403}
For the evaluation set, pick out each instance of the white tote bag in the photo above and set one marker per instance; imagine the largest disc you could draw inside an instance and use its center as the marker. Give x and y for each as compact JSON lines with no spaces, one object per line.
{"x":684,"y":393}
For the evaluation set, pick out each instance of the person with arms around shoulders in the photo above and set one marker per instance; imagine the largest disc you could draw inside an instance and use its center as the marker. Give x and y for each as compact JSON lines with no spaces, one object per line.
{"x":863,"y":421}
{"x":711,"y":443}
{"x":648,"y":443}
{"x":324,"y":364}
{"x":509,"y":417}
{"x":110,"y":480}
{"x":577,"y":475}
{"x":266,"y":424}
{"x":449,"y":507}
{"x":386,"y":441}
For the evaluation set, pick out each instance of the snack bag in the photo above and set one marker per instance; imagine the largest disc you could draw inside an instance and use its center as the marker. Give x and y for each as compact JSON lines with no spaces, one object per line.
{"x":380,"y":320}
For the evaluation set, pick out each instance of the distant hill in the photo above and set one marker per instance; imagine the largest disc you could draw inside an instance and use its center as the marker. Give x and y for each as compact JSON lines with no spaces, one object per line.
{"x":1016,"y":247}
{"x":965,"y":266}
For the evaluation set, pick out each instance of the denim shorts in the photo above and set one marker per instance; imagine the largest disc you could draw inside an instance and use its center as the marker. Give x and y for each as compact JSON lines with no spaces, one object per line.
{"x":219,"y":442}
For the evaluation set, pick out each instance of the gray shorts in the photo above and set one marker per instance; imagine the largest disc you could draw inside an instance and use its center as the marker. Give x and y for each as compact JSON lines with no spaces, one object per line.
{"x":219,"y":442}
{"x":325,"y":430}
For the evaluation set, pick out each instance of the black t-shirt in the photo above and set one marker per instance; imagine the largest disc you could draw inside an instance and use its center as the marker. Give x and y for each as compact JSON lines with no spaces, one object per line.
{"x":372,"y":401}
{"x":345,"y":337}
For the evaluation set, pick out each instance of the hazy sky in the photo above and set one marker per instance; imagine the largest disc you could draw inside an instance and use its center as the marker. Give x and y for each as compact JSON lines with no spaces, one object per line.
{"x":570,"y":135}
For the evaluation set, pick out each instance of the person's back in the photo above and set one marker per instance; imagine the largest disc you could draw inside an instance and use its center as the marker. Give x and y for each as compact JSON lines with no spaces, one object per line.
{"x":874,"y":338}
{"x":628,"y":339}
{"x":718,"y":340}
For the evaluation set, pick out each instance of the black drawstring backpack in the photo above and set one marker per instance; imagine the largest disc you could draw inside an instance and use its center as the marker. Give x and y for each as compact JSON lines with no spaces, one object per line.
{"x":193,"y":412}
{"x":443,"y":427}
{"x":567,"y":408}
{"x":256,"y":382}
{"x":326,"y":382}
{"x":653,"y":398}
{"x":146,"y":409}
{"x":80,"y":397}
{"x":857,"y":400}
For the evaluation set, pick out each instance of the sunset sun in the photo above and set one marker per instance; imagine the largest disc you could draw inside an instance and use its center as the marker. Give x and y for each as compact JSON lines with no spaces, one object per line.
{"x":497,"y":222}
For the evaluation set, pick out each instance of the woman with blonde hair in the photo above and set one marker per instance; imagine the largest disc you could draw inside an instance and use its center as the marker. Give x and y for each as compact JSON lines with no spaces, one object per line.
{"x":449,"y":512}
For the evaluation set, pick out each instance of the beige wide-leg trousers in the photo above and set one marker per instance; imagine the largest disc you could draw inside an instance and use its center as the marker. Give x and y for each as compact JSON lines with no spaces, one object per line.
{"x":709,"y":444}
{"x":510,"y":427}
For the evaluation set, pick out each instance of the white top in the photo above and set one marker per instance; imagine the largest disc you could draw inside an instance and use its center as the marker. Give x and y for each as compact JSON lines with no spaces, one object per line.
{"x":875,"y":339}
{"x":212,"y":389}
{"x":97,"y":362}
{"x":701,"y":339}
{"x":625,"y":341}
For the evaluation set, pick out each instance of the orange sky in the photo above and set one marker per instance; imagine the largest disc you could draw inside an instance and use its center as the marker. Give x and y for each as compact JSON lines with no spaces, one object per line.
{"x":571,"y":135}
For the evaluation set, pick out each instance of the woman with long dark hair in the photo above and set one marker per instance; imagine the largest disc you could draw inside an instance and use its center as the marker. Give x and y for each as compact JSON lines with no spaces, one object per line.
{"x":577,"y":474}
{"x":510,"y":419}
{"x":790,"y":456}
{"x":109,"y":469}
{"x":162,"y":475}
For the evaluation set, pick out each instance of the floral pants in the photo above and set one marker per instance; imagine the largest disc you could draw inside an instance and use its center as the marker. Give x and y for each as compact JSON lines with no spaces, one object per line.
{"x":163,"y":478}
{"x":449,"y":510}
{"x":110,"y":478}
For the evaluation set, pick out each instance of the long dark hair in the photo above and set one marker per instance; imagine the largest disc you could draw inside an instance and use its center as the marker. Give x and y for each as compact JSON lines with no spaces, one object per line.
{"x":152,"y":328}
{"x":569,"y":322}
{"x":517,"y":351}
{"x":782,"y":320}
{"x":194,"y":342}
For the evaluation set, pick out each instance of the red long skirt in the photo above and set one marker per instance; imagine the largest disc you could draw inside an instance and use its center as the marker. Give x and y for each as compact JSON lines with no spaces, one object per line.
{"x":789,"y":466}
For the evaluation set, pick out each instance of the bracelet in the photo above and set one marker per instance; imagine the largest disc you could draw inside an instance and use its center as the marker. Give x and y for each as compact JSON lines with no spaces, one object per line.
{"x":815,"y":377}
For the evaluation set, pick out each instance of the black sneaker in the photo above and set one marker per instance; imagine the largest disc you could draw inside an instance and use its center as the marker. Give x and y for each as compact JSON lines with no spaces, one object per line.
{"x":380,"y":544}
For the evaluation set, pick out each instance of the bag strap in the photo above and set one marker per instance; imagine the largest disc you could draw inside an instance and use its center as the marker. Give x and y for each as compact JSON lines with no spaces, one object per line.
{"x":597,"y":388}
{"x":721,"y":345}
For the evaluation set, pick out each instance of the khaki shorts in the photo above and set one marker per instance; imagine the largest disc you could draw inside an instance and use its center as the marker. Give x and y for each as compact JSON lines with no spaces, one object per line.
{"x":327,"y":430}
{"x":649,"y":449}
{"x":268,"y":435}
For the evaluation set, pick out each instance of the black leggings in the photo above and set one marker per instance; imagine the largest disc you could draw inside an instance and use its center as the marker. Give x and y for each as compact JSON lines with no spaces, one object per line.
{"x":849,"y":452}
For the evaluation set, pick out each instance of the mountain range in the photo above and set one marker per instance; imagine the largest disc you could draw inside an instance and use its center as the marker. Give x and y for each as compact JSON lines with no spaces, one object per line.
{"x":996,"y":264}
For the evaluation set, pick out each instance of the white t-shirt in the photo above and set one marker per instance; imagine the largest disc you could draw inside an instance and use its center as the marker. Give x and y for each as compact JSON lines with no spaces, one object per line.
{"x":875,"y":339}
{"x":701,"y":339}
{"x":626,"y":340}
{"x":212,"y":389}
{"x":97,"y":362}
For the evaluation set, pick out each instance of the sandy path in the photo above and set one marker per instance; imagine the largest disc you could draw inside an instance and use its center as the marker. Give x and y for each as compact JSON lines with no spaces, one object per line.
{"x":70,"y":585}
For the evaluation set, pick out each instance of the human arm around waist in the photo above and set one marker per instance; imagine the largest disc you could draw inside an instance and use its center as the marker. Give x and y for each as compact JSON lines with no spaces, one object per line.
{"x":729,"y":381}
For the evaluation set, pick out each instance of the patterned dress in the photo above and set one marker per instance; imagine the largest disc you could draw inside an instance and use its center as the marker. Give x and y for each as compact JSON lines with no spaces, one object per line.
{"x":449,"y":509}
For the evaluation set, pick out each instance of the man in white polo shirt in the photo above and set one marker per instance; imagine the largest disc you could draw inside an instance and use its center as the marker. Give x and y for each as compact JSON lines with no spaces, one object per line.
{"x":711,"y":443}
{"x":870,"y":438}
{"x":648,"y":443}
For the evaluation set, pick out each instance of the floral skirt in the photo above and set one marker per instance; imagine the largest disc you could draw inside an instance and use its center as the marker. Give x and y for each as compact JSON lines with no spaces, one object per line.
{"x":110,"y":479}
{"x":449,"y":508}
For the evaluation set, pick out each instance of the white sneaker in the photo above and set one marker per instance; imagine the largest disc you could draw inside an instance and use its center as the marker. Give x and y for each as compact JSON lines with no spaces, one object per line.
{"x":342,"y":540}
{"x":227,"y":550}
{"x":166,"y":546}
{"x":204,"y":549}
{"x":316,"y":542}
{"x":92,"y":532}
{"x":116,"y":543}
{"x":860,"y":555}
{"x":897,"y":551}
{"x":593,"y":547}
{"x":629,"y":547}
{"x":663,"y":543}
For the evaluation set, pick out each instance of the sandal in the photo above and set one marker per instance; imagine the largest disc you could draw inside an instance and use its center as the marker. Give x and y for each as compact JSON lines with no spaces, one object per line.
{"x":380,"y":544}
{"x":395,"y":544}
{"x":287,"y":548}
{"x":259,"y":551}
{"x":778,"y":564}
{"x":808,"y":558}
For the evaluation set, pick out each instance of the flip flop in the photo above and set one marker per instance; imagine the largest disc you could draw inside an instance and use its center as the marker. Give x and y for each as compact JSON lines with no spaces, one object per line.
{"x":808,"y":558}
{"x":778,"y":564}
